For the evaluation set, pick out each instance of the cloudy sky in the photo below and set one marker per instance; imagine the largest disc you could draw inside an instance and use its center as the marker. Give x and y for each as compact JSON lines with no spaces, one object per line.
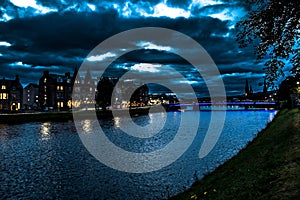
{"x":57,"y":35}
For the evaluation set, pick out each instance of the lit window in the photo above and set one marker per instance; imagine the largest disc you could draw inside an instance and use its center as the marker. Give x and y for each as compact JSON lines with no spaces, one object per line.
{"x":60,"y":88}
{"x":3,"y":95}
{"x":60,"y":104}
{"x":28,"y":99}
{"x":45,"y":80}
{"x":3,"y":87}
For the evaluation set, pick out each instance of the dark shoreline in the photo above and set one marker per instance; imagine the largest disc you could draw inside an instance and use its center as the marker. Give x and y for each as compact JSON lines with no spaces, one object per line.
{"x":18,"y":118}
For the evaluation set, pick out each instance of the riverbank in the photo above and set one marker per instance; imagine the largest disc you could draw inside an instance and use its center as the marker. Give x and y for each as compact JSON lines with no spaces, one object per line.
{"x":268,"y":168}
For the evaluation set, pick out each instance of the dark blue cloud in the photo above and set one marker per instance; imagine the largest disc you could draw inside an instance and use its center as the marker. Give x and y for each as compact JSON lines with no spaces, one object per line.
{"x":60,"y":40}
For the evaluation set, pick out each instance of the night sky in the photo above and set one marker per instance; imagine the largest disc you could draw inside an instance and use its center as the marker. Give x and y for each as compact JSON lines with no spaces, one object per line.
{"x":57,"y":35}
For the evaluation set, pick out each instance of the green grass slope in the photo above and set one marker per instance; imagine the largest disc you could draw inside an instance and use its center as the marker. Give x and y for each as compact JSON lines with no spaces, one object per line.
{"x":268,"y":168}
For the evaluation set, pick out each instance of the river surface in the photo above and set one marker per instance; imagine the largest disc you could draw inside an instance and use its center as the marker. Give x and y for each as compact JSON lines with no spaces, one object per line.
{"x":49,"y":161}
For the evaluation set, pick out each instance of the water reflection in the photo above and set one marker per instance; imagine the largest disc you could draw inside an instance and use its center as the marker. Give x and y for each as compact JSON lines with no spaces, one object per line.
{"x":272,"y":115}
{"x":45,"y":131}
{"x":87,"y":126}
{"x":3,"y":132}
{"x":61,"y":168}
{"x":117,"y":122}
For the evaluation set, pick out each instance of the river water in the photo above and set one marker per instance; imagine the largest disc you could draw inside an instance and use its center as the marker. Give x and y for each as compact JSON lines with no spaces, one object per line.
{"x":48,"y":160}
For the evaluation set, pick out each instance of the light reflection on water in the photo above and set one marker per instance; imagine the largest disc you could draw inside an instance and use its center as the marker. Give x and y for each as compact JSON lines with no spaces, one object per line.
{"x":48,"y":160}
{"x":272,"y":115}
{"x":45,"y":131}
{"x":87,"y":125}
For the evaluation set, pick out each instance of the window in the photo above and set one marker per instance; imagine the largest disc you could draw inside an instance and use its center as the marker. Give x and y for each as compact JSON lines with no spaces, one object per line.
{"x":3,"y":87}
{"x":60,"y":104}
{"x":3,"y":96}
{"x":45,"y":80}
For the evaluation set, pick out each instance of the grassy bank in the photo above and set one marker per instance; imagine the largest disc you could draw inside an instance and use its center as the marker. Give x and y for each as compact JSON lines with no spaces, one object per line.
{"x":269,"y":168}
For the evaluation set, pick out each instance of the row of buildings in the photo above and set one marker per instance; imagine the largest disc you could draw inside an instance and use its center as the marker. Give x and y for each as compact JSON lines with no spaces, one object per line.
{"x":63,"y":92}
{"x":53,"y":92}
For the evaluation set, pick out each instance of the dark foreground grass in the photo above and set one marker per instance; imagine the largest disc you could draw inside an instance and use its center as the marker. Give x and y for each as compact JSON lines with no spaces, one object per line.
{"x":268,"y":168}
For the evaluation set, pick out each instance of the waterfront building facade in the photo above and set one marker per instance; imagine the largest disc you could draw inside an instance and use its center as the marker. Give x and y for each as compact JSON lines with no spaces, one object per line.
{"x":31,"y":97}
{"x":84,"y":91}
{"x":139,"y":97}
{"x":55,"y":91}
{"x":11,"y":94}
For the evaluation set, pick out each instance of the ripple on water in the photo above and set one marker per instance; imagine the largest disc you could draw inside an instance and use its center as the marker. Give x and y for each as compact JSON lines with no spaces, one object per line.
{"x":47,"y":160}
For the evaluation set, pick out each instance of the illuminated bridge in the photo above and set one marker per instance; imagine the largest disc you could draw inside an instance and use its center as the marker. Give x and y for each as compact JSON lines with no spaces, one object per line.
{"x":242,"y":105}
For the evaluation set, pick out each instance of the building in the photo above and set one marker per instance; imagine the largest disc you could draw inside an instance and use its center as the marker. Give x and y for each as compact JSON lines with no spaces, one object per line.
{"x":84,"y":90}
{"x":55,"y":91}
{"x":11,"y":94}
{"x":31,"y":97}
{"x":130,"y":93}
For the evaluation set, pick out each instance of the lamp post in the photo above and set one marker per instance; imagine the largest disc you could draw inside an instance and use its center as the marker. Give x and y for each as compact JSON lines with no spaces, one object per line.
{"x":298,"y":92}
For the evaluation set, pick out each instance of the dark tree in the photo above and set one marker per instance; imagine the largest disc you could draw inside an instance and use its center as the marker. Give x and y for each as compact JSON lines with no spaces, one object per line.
{"x":104,"y":92}
{"x":140,"y":95}
{"x":273,"y":27}
{"x":287,"y":88}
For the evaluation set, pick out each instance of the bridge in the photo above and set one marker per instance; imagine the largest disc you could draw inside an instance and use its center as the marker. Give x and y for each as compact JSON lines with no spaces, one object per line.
{"x":241,"y":105}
